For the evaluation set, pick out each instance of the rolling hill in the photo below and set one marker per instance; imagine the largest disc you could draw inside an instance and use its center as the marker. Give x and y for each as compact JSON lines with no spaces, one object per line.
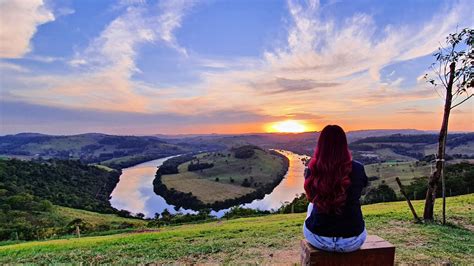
{"x":109,"y":150}
{"x":368,"y":146}
{"x":265,"y":239}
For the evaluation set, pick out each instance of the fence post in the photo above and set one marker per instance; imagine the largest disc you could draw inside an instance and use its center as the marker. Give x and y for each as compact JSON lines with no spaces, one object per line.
{"x":78,"y":231}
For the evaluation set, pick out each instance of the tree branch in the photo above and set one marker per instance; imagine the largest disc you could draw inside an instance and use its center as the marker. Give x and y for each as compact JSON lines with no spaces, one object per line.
{"x":468,"y":97}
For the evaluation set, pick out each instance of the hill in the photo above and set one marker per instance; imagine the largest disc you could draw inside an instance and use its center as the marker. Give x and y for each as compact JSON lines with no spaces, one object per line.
{"x":267,"y":239}
{"x":113,"y":151}
{"x":399,"y":147}
{"x":59,"y":222}
{"x":368,"y":146}
{"x":62,"y":182}
{"x":234,"y":176}
{"x":30,"y":192}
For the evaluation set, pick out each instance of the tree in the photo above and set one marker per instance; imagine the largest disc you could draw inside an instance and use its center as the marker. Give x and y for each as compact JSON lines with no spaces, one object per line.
{"x":454,"y":69}
{"x":381,"y":193}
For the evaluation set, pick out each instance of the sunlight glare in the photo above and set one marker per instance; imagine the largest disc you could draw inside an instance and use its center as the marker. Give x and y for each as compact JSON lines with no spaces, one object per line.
{"x":288,"y":126}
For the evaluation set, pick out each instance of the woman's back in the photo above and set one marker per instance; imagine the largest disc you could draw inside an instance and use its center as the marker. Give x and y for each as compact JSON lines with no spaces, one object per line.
{"x":349,"y":222}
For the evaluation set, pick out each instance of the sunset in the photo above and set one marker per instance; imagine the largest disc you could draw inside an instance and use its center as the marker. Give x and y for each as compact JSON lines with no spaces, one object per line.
{"x":290,"y":126}
{"x":174,"y":67}
{"x":237,"y":132}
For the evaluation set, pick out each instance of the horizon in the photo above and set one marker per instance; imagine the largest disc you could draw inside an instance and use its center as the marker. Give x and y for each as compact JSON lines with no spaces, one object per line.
{"x":138,"y":67}
{"x":184,"y":135}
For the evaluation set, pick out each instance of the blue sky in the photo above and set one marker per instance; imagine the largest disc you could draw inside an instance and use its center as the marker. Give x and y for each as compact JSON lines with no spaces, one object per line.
{"x":185,"y":66}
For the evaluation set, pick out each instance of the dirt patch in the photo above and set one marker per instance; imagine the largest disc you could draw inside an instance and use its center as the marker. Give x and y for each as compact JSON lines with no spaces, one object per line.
{"x":461,"y":222}
{"x":402,"y":233}
{"x":283,"y":257}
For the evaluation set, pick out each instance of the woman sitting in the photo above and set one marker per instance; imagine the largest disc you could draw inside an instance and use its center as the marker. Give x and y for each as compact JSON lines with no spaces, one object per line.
{"x":333,"y":185}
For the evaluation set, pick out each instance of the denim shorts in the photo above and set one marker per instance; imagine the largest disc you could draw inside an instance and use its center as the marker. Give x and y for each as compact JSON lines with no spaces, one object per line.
{"x":333,"y":244}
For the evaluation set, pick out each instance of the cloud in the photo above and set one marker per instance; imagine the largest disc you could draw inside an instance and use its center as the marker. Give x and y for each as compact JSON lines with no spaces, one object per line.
{"x":19,"y":116}
{"x":18,"y":24}
{"x":341,"y":59}
{"x":305,"y":116}
{"x":103,"y":78}
{"x":140,"y":23}
{"x":8,"y":67}
{"x":327,"y":70}
{"x":414,"y":110}
{"x":170,"y":19}
{"x":284,"y":85}
{"x":65,"y":11}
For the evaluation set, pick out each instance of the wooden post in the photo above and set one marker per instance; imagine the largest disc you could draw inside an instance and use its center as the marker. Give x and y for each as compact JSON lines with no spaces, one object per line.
{"x":78,"y":231}
{"x":408,"y":200}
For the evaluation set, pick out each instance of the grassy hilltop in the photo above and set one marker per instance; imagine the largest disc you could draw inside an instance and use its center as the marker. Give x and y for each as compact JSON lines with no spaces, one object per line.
{"x":266,"y":239}
{"x":220,"y":179}
{"x":230,"y":177}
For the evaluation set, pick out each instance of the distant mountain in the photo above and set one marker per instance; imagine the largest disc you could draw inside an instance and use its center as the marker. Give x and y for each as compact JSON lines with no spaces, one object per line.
{"x":113,"y":151}
{"x":123,"y":151}
{"x":360,"y":134}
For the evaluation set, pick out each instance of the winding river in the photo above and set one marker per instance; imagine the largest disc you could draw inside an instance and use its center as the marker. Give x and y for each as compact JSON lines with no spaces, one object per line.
{"x":134,"y":192}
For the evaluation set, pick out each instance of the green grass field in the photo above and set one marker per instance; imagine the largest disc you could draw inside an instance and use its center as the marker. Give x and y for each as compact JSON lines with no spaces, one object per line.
{"x":95,"y":219}
{"x":266,"y":239}
{"x":387,"y":172}
{"x":259,"y":170}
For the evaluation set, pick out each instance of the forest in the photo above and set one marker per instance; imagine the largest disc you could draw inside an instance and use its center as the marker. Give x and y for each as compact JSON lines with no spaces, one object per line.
{"x":28,"y":190}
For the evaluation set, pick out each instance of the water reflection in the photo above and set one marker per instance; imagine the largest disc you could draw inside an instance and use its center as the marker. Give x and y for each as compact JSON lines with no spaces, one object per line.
{"x":286,"y":191}
{"x":134,"y":192}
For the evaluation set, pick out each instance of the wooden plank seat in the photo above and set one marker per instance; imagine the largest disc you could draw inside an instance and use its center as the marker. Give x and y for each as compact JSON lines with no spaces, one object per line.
{"x":374,"y":251}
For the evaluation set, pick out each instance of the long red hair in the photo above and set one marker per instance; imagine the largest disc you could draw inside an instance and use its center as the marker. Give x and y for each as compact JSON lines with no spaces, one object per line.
{"x":330,"y":168}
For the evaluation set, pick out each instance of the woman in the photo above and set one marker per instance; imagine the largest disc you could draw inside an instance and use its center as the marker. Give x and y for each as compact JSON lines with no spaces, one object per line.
{"x":333,"y":185}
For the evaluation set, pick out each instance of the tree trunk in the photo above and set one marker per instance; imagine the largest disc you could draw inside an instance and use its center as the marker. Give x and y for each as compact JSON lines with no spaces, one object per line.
{"x":443,"y":134}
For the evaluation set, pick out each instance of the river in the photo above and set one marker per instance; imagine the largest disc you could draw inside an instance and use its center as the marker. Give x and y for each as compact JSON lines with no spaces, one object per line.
{"x":134,"y":192}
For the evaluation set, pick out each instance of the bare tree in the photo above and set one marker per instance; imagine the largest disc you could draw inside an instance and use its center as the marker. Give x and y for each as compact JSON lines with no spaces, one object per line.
{"x":454,"y":81}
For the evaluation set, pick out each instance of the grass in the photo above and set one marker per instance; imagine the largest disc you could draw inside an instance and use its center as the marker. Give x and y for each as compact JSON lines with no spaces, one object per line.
{"x":106,"y":168}
{"x":407,"y":171}
{"x":267,"y":239}
{"x":261,"y":169}
{"x":95,"y":219}
{"x":97,"y":223}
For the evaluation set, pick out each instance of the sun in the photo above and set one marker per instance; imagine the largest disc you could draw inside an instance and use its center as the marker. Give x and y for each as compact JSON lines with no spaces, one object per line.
{"x":288,"y":126}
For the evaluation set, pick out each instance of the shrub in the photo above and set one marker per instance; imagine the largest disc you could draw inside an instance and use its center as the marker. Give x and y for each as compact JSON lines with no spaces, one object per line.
{"x":244,"y":152}
{"x":199,"y":166}
{"x":246,"y":183}
{"x":382,"y":193}
{"x":459,"y":180}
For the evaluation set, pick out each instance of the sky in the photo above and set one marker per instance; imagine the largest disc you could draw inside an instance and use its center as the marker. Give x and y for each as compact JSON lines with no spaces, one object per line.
{"x":137,"y":67}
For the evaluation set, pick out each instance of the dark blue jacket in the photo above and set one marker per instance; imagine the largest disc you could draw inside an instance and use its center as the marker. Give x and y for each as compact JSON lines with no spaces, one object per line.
{"x":350,"y":222}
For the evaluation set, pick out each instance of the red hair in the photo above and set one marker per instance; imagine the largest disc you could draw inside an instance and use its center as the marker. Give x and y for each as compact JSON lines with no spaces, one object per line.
{"x":330,"y":168}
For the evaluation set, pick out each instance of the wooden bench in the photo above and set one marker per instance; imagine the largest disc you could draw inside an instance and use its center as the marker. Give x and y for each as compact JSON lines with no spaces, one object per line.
{"x":374,"y":251}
